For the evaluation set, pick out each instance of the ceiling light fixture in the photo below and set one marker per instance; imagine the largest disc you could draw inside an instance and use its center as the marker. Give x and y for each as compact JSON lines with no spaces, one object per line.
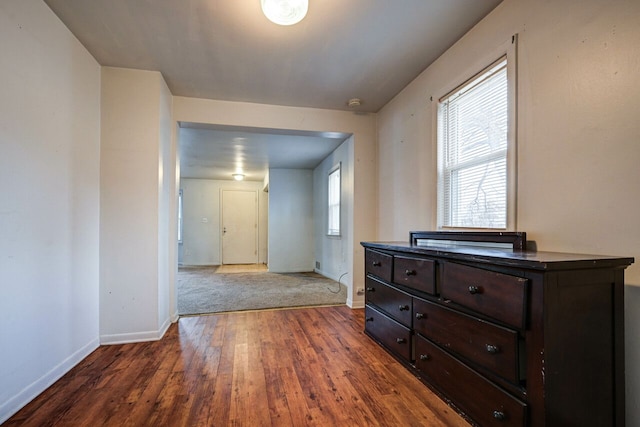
{"x":354,"y":102}
{"x":238,"y":176}
{"x":285,"y":12}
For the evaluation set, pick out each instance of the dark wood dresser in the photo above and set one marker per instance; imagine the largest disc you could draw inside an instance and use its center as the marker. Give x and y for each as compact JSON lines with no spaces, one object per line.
{"x":507,"y":336}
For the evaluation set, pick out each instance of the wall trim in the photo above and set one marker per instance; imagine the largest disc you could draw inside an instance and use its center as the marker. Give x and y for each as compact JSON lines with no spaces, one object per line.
{"x":13,"y":405}
{"x":328,"y":275}
{"x":135,"y":337}
{"x":165,"y":327}
{"x":355,"y":304}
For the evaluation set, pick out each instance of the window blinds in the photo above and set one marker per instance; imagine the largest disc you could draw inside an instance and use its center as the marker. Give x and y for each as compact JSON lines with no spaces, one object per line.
{"x":334,"y":203}
{"x":472,"y":130}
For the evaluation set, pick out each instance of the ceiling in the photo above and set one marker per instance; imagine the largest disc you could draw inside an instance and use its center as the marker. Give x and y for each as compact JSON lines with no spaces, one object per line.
{"x":228,"y":50}
{"x":217,"y":152}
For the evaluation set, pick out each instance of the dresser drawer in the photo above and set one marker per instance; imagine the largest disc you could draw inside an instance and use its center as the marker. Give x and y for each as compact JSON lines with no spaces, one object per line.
{"x":480,"y":399}
{"x":496,"y":295}
{"x":378,"y":264}
{"x":394,"y":336}
{"x":415,"y":273}
{"x":392,"y":301}
{"x":492,"y":347}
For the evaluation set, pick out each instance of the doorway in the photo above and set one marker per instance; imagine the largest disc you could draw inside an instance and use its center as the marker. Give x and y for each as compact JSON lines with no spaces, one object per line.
{"x":211,"y":154}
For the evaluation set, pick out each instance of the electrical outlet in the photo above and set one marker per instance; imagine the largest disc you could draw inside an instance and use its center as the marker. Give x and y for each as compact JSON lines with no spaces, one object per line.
{"x":318,"y":265}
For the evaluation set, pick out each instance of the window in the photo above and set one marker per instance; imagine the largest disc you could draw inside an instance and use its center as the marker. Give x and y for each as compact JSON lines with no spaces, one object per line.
{"x":475,"y":151}
{"x":180,"y":216}
{"x":334,"y":202}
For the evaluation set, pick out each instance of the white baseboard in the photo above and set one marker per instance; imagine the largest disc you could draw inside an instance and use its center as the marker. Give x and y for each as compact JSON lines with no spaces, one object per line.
{"x":355,"y":304}
{"x":16,"y":403}
{"x":136,"y":336}
{"x":165,"y":327}
{"x":359,"y":303}
{"x":331,"y":276}
{"x":325,"y":274}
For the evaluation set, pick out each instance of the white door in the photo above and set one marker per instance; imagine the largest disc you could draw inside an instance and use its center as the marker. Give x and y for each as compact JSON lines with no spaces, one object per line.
{"x":239,"y":227}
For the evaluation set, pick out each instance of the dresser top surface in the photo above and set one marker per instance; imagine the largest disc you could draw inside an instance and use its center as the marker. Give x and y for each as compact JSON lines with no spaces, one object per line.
{"x":514,"y":258}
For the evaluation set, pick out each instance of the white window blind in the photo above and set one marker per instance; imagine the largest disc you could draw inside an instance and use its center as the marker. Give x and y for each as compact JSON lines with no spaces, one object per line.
{"x":472,"y":142}
{"x":334,"y":202}
{"x":180,"y":216}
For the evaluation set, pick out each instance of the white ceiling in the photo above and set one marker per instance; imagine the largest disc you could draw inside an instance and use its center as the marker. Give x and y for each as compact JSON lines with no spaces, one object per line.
{"x":228,"y":50}
{"x":217,"y":152}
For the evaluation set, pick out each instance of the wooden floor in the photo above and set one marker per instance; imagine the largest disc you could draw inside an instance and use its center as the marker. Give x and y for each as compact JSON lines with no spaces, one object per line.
{"x":297,"y":367}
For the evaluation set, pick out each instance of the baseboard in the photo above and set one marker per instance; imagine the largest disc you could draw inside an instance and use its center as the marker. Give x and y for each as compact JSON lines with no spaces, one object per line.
{"x":331,"y":276}
{"x":350,"y":302}
{"x":13,"y":405}
{"x":322,"y":273}
{"x":165,"y":327}
{"x":355,"y":304}
{"x":175,"y":316}
{"x":135,"y":336}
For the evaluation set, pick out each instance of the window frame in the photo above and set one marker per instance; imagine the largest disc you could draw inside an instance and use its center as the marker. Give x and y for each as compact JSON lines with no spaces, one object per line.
{"x":336,"y":232}
{"x":509,"y":50}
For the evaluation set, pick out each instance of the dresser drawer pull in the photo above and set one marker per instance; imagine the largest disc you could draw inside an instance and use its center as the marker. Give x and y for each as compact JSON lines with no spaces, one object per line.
{"x":377,"y":263}
{"x":401,"y":340}
{"x":410,"y":272}
{"x":493,"y":349}
{"x":474,"y":290}
{"x":403,"y":307}
{"x":371,"y":289}
{"x":425,"y":357}
{"x":369,"y":319}
{"x":420,"y":316}
{"x":499,"y":415}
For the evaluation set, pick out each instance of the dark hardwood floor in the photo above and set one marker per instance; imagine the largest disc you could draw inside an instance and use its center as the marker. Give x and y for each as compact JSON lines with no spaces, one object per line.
{"x":297,"y":367}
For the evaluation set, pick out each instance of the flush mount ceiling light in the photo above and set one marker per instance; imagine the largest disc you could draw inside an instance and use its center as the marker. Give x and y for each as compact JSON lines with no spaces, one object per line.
{"x":354,"y":102}
{"x":285,"y":12}
{"x":238,"y":176}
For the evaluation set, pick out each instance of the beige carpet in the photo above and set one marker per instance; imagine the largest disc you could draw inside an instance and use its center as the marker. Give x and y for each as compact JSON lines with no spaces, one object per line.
{"x":203,"y":290}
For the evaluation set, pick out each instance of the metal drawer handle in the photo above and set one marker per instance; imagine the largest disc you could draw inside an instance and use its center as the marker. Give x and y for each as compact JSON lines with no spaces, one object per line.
{"x":420,"y":316}
{"x":493,"y":349}
{"x":401,"y":340}
{"x":474,"y":290}
{"x":499,"y":415}
{"x":410,"y":272}
{"x":377,"y":263}
{"x":403,"y":307}
{"x":369,"y":319}
{"x":371,"y":289}
{"x":425,"y":357}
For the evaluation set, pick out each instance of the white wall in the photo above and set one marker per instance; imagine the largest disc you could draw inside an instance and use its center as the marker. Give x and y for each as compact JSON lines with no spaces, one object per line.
{"x":334,"y":252}
{"x":362,"y":126}
{"x":291,"y":246}
{"x":578,"y":137}
{"x":201,"y":198}
{"x":167,"y":209}
{"x":49,"y":209}
{"x":133,"y":230}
